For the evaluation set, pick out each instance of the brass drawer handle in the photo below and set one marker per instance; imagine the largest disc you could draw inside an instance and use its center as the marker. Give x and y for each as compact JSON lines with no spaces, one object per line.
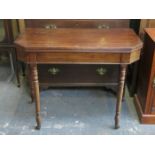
{"x":47,"y":26}
{"x":53,"y":71}
{"x":51,"y":26}
{"x":101,"y":71}
{"x":103,"y":26}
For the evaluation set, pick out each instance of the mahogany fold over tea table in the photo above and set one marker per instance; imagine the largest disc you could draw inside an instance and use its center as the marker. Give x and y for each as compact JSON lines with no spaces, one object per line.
{"x":78,"y":46}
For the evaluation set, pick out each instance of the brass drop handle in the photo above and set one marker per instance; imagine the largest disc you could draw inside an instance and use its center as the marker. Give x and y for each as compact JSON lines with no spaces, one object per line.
{"x":103,"y":26}
{"x":47,"y":27}
{"x":53,"y":26}
{"x":53,"y":71}
{"x":101,"y":71}
{"x":50,"y":26}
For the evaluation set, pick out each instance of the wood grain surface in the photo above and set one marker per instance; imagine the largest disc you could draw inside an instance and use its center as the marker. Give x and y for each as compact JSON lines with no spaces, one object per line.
{"x":114,"y":40}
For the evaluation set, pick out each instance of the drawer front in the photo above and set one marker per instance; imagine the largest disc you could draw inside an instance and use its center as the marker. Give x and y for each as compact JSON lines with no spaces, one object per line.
{"x":72,"y":23}
{"x":87,"y":75}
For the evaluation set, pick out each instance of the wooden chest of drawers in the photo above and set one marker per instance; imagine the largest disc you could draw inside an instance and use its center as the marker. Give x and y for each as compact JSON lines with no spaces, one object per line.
{"x":77,"y":75}
{"x":145,"y":96}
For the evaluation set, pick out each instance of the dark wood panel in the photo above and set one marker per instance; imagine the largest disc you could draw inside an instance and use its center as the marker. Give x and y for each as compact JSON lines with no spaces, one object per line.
{"x":82,"y":74}
{"x":132,"y":71}
{"x":78,"y":23}
{"x":145,"y":97}
{"x":145,"y":70}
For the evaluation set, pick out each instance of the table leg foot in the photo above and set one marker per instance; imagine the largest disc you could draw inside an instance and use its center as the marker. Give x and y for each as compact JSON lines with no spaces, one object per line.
{"x":38,"y":120}
{"x":117,"y":126}
{"x":31,"y":102}
{"x":18,"y":85}
{"x":38,"y":127}
{"x":117,"y":122}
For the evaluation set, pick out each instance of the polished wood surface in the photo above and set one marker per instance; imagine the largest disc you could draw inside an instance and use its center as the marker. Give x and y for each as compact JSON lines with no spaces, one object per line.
{"x":78,"y":46}
{"x":111,"y":46}
{"x":113,"y":40}
{"x":80,"y":24}
{"x":145,"y":96}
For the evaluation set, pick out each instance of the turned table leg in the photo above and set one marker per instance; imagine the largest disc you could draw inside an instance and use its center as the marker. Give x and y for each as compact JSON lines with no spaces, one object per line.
{"x":34,"y":76}
{"x":120,"y":94}
{"x":31,"y":84}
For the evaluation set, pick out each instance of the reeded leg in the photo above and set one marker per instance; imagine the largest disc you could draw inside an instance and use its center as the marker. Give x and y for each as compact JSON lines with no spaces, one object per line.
{"x":34,"y":76}
{"x":120,"y":95}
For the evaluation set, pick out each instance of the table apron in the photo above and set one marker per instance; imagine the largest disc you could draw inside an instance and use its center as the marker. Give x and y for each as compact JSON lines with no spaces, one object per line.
{"x":78,"y":58}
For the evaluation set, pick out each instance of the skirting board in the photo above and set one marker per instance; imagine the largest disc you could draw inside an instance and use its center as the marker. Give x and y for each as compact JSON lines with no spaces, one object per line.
{"x":144,"y":118}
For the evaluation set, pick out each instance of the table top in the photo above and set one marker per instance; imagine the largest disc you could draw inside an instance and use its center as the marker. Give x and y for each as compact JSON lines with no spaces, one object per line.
{"x":102,"y":40}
